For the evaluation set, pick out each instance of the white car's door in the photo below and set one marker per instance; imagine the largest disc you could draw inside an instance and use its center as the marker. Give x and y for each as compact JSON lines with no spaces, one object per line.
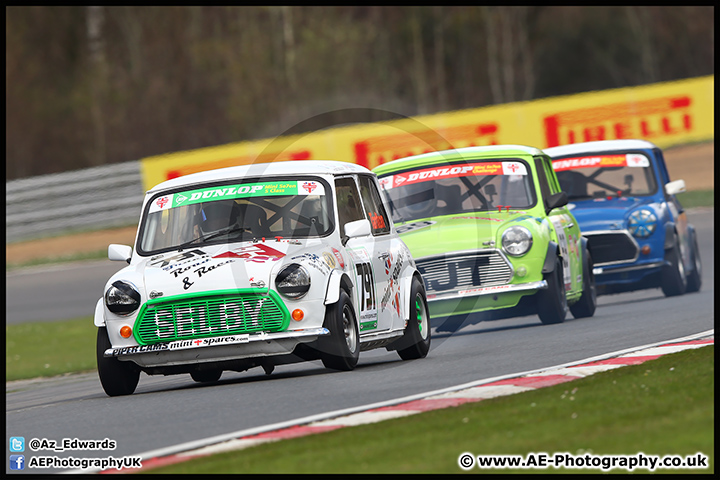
{"x":367,"y":254}
{"x":386,"y":258}
{"x":361,"y":250}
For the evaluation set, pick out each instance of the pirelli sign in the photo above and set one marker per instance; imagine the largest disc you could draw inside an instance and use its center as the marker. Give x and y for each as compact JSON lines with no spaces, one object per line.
{"x":668,"y":113}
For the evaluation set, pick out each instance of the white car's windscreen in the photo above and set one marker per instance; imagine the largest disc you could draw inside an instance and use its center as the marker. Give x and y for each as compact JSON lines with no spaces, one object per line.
{"x":461,"y":188}
{"x":605,"y":175}
{"x":297,"y":208}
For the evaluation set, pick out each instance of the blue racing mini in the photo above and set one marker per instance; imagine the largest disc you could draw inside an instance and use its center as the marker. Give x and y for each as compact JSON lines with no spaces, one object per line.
{"x":638,"y":234}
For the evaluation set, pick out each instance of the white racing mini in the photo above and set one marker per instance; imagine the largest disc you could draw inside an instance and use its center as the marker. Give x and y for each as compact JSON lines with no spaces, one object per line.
{"x":259,"y":265}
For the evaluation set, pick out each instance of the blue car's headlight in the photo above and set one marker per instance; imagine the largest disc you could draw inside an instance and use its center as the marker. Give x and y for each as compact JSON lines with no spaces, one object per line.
{"x":642,"y":223}
{"x":517,"y":240}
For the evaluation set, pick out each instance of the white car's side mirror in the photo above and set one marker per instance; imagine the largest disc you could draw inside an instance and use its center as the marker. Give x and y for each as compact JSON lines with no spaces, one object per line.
{"x":672,"y":188}
{"x":121,"y":253}
{"x":358,"y":228}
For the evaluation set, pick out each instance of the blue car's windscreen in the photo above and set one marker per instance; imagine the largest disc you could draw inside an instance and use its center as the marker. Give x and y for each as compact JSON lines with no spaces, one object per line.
{"x":605,"y":175}
{"x":461,"y":188}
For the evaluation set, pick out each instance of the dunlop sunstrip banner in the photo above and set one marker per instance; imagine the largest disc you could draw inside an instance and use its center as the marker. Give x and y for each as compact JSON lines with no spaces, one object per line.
{"x":265,"y":189}
{"x":627,"y":160}
{"x":668,"y":113}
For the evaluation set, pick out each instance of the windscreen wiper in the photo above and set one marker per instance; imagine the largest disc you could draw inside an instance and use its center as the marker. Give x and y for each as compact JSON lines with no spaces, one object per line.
{"x":203,"y":238}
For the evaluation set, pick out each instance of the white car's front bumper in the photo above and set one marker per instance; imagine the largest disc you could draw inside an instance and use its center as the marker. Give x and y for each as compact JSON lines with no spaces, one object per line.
{"x":214,"y":349}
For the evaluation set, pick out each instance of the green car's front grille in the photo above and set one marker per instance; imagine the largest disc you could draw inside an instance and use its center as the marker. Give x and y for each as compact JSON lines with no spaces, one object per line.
{"x":211,"y":314}
{"x":481,"y":269}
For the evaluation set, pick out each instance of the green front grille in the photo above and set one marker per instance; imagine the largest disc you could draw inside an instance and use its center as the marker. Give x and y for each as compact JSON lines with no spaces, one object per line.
{"x":211,"y":314}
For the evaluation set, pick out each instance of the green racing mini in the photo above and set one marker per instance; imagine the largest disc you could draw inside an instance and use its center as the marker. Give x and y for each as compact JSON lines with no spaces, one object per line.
{"x":489,"y":230}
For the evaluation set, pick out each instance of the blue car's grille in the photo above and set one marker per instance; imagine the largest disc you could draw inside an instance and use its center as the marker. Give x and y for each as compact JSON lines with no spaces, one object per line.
{"x":610,"y":248}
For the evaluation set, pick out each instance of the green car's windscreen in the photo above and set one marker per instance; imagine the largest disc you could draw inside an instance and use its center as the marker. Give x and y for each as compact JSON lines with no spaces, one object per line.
{"x":458,"y":188}
{"x":605,"y":175}
{"x":297,"y":208}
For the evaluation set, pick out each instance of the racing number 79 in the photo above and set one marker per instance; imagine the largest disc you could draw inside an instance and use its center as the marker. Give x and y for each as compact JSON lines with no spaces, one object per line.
{"x":365,"y":274}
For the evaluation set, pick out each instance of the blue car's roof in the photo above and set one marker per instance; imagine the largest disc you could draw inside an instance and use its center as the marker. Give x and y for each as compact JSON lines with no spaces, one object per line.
{"x":598,"y":146}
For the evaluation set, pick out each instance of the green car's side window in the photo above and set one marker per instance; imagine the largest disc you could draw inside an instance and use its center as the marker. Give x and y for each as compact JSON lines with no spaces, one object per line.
{"x":542,"y":179}
{"x":550,"y":175}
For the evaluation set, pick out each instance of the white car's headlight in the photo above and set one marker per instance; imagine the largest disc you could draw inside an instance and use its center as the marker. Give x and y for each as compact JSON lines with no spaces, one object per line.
{"x":516,"y":240}
{"x":642,"y":223}
{"x":293,"y":281}
{"x":122,"y":298}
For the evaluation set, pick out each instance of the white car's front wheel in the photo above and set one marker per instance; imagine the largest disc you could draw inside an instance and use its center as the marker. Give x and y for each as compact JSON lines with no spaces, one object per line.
{"x":117,"y":378}
{"x":341,"y":349}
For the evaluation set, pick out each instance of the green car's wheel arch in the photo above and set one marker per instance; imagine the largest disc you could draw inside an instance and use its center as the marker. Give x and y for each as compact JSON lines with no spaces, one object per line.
{"x":551,"y":302}
{"x":585,"y":307}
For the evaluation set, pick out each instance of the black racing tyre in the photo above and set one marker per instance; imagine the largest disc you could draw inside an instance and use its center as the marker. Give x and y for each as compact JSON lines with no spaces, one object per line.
{"x":117,"y":378}
{"x":340,"y":350}
{"x":673,"y":281}
{"x":552,"y":303}
{"x":694,"y":279}
{"x":415,"y":343}
{"x":206,"y":376}
{"x":585,"y":307}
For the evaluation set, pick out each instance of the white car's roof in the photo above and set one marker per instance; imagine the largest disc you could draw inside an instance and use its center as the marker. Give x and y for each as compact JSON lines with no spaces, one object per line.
{"x":597,"y":146}
{"x":299,"y":167}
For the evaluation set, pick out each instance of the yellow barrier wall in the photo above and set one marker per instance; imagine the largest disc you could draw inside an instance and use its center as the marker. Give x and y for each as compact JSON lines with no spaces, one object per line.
{"x":666,"y":114}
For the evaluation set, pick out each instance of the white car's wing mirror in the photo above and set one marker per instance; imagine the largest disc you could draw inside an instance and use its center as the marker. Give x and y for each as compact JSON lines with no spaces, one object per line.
{"x":121,"y":253}
{"x":358,"y":228}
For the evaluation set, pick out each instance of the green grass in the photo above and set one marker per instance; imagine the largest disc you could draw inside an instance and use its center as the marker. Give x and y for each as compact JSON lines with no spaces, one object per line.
{"x":95,"y":255}
{"x":45,"y":349}
{"x":697,"y":198}
{"x":662,"y":407}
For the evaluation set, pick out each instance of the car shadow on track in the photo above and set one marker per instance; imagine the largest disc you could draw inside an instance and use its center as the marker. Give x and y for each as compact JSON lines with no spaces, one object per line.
{"x":637,"y":297}
{"x":449,"y":326}
{"x":479,"y":331}
{"x":255,"y":375}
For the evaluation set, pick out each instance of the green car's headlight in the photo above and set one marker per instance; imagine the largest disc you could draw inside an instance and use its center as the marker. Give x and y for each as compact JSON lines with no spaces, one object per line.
{"x":293,"y":281}
{"x":642,"y":223}
{"x":516,"y":240}
{"x":122,"y":298}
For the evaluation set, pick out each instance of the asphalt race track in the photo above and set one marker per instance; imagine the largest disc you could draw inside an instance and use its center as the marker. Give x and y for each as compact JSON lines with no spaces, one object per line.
{"x":167,"y":411}
{"x":57,"y":292}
